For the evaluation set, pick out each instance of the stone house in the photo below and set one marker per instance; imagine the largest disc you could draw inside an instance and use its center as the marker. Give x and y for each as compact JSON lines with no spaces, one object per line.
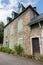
{"x":25,"y":28}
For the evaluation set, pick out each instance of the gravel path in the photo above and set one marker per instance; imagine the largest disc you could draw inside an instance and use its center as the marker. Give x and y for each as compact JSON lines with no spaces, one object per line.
{"x":6,"y":59}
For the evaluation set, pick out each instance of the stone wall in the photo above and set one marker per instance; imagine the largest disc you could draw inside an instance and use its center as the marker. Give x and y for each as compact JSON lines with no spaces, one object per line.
{"x":25,"y":34}
{"x":37,"y":32}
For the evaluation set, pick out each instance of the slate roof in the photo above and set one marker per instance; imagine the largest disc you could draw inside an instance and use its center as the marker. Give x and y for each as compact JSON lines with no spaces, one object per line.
{"x":36,"y":19}
{"x":22,"y":13}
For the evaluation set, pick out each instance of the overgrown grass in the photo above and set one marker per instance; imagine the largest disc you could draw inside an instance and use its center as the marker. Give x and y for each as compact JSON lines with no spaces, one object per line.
{"x":5,"y":49}
{"x":29,"y":56}
{"x":39,"y":58}
{"x":18,"y":49}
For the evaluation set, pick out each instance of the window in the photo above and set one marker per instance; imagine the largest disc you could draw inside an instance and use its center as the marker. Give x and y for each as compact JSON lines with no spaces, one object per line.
{"x":6,"y":32}
{"x":19,"y":8}
{"x":12,"y":29}
{"x":12,"y":16}
{"x":20,"y":26}
{"x":11,"y":44}
{"x":5,"y":44}
{"x":20,"y":41}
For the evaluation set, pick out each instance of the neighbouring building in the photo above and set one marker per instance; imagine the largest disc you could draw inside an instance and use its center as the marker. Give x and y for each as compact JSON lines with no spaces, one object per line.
{"x":25,"y":28}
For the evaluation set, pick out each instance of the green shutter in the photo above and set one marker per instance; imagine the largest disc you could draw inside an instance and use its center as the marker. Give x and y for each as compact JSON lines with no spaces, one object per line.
{"x":6,"y":32}
{"x":12,"y":29}
{"x":20,"y":41}
{"x":20,"y":26}
{"x":11,"y":44}
{"x":6,"y":44}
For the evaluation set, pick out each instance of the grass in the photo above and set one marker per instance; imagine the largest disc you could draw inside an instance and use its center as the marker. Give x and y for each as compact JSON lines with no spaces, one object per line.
{"x":39,"y":58}
{"x":18,"y":50}
{"x":5,"y":49}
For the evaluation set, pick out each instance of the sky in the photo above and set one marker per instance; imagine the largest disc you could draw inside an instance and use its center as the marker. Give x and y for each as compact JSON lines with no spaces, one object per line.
{"x":7,"y":6}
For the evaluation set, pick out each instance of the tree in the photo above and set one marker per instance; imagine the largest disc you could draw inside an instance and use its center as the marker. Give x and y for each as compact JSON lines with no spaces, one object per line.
{"x":1,"y":32}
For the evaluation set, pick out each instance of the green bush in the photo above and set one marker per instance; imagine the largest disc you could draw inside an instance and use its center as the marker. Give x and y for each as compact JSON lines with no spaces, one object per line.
{"x":29,"y":56}
{"x":23,"y":54}
{"x":18,"y":49}
{"x":1,"y":49}
{"x":5,"y":49}
{"x":40,"y":58}
{"x":12,"y":52}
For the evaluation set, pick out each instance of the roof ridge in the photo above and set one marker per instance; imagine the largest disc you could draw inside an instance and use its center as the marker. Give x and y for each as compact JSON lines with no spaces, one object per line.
{"x":22,"y":13}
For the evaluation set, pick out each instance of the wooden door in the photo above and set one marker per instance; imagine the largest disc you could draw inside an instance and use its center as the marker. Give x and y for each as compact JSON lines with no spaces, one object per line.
{"x":36,"y":47}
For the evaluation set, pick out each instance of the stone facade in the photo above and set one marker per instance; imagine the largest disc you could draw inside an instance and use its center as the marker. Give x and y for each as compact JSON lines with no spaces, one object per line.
{"x":37,"y":32}
{"x":26,"y":34}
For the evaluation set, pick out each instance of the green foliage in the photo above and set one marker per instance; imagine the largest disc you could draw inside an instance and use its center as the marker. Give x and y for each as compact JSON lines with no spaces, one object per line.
{"x":1,"y":32}
{"x":40,"y":58}
{"x":1,"y":49}
{"x":1,"y":37}
{"x":5,"y":49}
{"x":29,"y":56}
{"x":12,"y":52}
{"x":23,"y":54}
{"x":18,"y":49}
{"x":1,"y":26}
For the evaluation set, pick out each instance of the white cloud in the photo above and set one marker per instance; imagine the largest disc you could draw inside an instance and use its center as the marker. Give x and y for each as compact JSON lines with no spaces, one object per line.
{"x":5,"y":10}
{"x":1,"y":6}
{"x":13,"y":3}
{"x":4,"y":14}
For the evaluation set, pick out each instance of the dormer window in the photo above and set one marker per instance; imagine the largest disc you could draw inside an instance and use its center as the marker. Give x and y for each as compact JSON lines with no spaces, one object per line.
{"x":20,"y":8}
{"x":14,"y":14}
{"x":9,"y":19}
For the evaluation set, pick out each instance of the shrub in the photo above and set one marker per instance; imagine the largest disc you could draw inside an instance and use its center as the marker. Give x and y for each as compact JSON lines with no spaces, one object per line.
{"x":18,"y":49}
{"x":1,"y":49}
{"x":5,"y":49}
{"x":23,"y":54}
{"x":12,"y":52}
{"x":29,"y":56}
{"x":40,"y":58}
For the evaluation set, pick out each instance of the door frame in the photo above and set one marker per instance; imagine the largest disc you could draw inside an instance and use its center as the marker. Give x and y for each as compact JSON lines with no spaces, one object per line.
{"x":35,"y":52}
{"x":31,"y":43}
